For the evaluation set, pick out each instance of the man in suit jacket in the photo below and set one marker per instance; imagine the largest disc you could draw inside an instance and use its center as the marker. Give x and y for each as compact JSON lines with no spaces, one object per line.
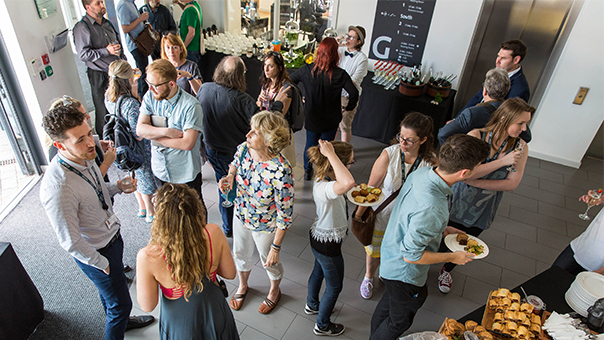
{"x":510,"y":56}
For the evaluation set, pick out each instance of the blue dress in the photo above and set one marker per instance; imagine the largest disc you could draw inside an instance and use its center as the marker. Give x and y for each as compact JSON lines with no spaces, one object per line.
{"x":144,"y":176}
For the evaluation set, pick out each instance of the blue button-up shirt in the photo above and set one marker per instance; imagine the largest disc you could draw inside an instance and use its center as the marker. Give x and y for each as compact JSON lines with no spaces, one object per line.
{"x":183,"y":112}
{"x":126,"y":14}
{"x":418,"y":220}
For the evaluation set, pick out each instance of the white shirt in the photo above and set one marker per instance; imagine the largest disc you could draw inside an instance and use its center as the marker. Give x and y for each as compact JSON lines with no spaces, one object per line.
{"x":588,"y":246}
{"x":330,"y":224}
{"x":355,"y":66}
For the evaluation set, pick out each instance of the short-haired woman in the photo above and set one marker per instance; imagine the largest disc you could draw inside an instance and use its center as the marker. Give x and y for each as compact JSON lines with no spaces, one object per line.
{"x":120,"y":78}
{"x":183,"y":258}
{"x":174,"y":50}
{"x":322,"y":83}
{"x":264,"y":203}
{"x":333,"y":180}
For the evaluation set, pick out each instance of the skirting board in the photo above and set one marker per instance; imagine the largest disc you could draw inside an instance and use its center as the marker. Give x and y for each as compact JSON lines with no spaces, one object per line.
{"x":554,"y":159}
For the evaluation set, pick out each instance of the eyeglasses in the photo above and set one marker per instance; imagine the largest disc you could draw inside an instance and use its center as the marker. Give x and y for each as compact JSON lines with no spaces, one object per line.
{"x":349,"y":37}
{"x":406,"y":140}
{"x":156,"y":86}
{"x":351,"y":162}
{"x":274,"y":54}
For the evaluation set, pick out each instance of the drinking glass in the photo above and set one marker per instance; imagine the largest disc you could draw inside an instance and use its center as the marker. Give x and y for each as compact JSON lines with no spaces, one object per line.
{"x":594,"y":196}
{"x":127,"y":185}
{"x":225,"y":186}
{"x":519,"y":147}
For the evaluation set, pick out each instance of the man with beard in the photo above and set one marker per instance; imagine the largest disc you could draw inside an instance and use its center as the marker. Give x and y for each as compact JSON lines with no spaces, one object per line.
{"x":172,"y":119}
{"x":161,"y":20}
{"x":78,"y":204}
{"x":98,"y":44}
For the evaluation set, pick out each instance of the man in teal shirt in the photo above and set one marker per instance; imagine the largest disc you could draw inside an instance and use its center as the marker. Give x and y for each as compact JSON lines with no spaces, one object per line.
{"x":191,"y":24}
{"x":414,"y":232}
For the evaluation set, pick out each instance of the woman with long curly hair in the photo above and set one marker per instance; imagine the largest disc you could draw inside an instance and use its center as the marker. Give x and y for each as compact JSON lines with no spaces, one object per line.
{"x":413,"y":150}
{"x":321,"y":83}
{"x":264,"y":204}
{"x":120,"y":86}
{"x":476,"y":200}
{"x":182,"y":260}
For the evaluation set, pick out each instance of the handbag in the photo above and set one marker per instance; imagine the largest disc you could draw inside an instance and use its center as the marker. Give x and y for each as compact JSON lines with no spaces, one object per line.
{"x":363,"y":228}
{"x":146,"y":40}
{"x":222,"y":286}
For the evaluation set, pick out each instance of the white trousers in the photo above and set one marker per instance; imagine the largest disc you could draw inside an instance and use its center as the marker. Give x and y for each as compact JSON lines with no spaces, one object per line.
{"x":243,"y":249}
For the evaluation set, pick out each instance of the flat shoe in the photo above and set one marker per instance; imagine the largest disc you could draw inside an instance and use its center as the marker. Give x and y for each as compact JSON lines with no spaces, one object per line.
{"x":237,"y":301}
{"x":142,"y":213}
{"x":267,"y":305}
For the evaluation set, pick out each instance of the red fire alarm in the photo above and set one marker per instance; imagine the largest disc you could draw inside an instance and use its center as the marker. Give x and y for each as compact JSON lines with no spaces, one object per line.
{"x":45,"y":59}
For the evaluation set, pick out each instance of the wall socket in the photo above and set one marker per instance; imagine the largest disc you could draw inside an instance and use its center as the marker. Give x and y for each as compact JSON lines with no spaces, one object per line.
{"x":580,"y":95}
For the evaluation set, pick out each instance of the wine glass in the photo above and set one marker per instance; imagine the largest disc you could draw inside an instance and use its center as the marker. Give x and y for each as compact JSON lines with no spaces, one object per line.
{"x":519,"y":147}
{"x":225,"y":187}
{"x":594,"y":196}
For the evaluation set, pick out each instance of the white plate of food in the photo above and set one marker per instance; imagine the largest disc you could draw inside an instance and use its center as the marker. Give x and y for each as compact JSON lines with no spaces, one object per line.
{"x":471,"y":244}
{"x":365,"y":196}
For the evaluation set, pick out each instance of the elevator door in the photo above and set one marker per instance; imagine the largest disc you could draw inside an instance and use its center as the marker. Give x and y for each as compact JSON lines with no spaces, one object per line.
{"x":538,"y":23}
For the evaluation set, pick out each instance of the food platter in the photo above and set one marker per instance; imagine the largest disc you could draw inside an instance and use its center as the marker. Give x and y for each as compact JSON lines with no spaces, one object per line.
{"x":453,"y":245}
{"x":381,"y":198}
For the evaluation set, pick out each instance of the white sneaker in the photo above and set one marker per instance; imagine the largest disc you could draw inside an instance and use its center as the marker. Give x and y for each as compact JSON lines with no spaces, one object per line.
{"x":445,"y":280}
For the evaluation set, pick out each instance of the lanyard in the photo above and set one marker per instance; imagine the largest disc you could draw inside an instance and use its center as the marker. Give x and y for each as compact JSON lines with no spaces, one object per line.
{"x":413,"y":167}
{"x":97,"y":188}
{"x":498,"y":151}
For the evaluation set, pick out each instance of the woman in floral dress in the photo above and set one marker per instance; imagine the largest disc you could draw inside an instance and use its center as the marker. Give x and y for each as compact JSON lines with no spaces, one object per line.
{"x":264,"y":203}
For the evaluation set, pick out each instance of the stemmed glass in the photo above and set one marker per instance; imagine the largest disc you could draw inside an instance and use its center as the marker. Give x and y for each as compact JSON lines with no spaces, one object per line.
{"x":594,"y":196}
{"x":519,"y":147}
{"x":225,"y":193}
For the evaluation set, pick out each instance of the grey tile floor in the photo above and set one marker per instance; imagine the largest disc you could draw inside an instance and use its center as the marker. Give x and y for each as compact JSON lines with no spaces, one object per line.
{"x":534,"y":223}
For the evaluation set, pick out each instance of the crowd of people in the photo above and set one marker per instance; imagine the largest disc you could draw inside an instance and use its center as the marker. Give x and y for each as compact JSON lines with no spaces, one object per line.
{"x":184,"y":121}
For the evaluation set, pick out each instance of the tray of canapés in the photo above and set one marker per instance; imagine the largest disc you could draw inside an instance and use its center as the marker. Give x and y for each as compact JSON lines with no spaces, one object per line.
{"x":507,"y":316}
{"x":366,"y":196}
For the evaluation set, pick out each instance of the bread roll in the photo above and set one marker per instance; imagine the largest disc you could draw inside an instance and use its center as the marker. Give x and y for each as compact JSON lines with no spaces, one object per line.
{"x":497,"y":326}
{"x":364,"y":192}
{"x":363,"y":186}
{"x":526,"y":307}
{"x":515,"y":306}
{"x":505,"y":302}
{"x":511,"y":325}
{"x":535,"y":319}
{"x":498,"y":317}
{"x":470,"y":325}
{"x":535,"y":328}
{"x":510,"y":315}
{"x":360,"y":199}
{"x":515,"y":297}
{"x":355,"y":193}
{"x":485,"y":335}
{"x":502,"y":292}
{"x":376,"y":191}
{"x":479,"y":329}
{"x":522,"y":332}
{"x":371,"y":198}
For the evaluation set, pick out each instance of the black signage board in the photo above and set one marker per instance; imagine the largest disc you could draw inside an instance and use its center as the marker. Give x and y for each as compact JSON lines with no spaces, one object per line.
{"x":400,"y":30}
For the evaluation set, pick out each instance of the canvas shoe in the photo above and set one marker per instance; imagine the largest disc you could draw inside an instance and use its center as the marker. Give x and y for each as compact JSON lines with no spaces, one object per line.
{"x":366,"y":288}
{"x":445,"y":280}
{"x":333,"y":329}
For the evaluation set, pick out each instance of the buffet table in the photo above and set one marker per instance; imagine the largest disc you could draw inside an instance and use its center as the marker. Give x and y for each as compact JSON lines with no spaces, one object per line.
{"x":21,"y":306}
{"x":550,"y":286}
{"x":380,"y":111}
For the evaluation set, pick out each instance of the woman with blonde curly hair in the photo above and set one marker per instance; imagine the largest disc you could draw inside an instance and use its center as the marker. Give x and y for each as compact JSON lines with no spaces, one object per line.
{"x":183,"y":258}
{"x":264,"y":203}
{"x":120,"y":86}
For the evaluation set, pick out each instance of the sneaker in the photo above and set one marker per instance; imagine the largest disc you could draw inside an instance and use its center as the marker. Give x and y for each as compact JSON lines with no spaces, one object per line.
{"x":444,"y":281}
{"x":333,"y":329}
{"x":366,"y":288}
{"x":310,"y":311}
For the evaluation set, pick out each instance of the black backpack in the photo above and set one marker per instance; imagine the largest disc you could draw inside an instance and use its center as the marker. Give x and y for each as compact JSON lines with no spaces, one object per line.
{"x":295,"y":115}
{"x":130,"y":152}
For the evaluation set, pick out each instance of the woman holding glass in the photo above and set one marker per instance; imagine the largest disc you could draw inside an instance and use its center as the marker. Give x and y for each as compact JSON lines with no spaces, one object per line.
{"x":276,"y":94}
{"x":182,"y":260}
{"x":174,"y":50}
{"x":264,"y":203}
{"x":121,"y":77}
{"x":476,"y":200}
{"x":414,"y":150}
{"x":322,"y":83}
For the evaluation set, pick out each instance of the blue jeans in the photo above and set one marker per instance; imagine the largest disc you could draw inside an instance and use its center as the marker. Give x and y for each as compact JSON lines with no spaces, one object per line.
{"x":113,"y":289}
{"x":141,"y":63}
{"x":332,"y":270}
{"x":394,"y":313}
{"x":312,"y":139}
{"x":220,"y":162}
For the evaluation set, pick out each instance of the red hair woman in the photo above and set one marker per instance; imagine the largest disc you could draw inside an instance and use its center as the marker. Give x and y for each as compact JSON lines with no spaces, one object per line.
{"x":321,"y":83}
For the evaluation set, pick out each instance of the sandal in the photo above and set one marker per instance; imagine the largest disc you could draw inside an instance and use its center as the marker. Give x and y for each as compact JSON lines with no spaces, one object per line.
{"x":267,"y":305}
{"x":237,"y":301}
{"x":149,"y":219}
{"x":142,"y":213}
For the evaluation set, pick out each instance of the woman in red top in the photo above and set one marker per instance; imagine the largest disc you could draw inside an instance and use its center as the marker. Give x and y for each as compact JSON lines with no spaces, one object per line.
{"x":182,"y":259}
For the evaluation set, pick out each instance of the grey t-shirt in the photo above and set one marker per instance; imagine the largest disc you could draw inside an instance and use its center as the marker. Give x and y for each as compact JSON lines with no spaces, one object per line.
{"x":183,"y":82}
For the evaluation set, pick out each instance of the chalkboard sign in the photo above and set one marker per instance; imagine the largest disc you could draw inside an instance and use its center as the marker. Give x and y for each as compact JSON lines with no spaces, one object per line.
{"x":400,"y":30}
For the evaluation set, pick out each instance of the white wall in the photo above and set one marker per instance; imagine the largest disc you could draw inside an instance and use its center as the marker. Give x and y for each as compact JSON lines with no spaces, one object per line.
{"x":24,"y":32}
{"x":449,"y":38}
{"x":563,"y":131}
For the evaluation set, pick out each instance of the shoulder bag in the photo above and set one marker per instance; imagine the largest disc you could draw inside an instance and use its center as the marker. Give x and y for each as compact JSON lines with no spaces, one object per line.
{"x":363,"y":228}
{"x":146,"y":40}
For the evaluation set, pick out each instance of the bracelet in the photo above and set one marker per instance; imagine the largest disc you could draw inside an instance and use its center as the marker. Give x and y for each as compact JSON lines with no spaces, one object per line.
{"x":275,"y":247}
{"x":189,"y":79}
